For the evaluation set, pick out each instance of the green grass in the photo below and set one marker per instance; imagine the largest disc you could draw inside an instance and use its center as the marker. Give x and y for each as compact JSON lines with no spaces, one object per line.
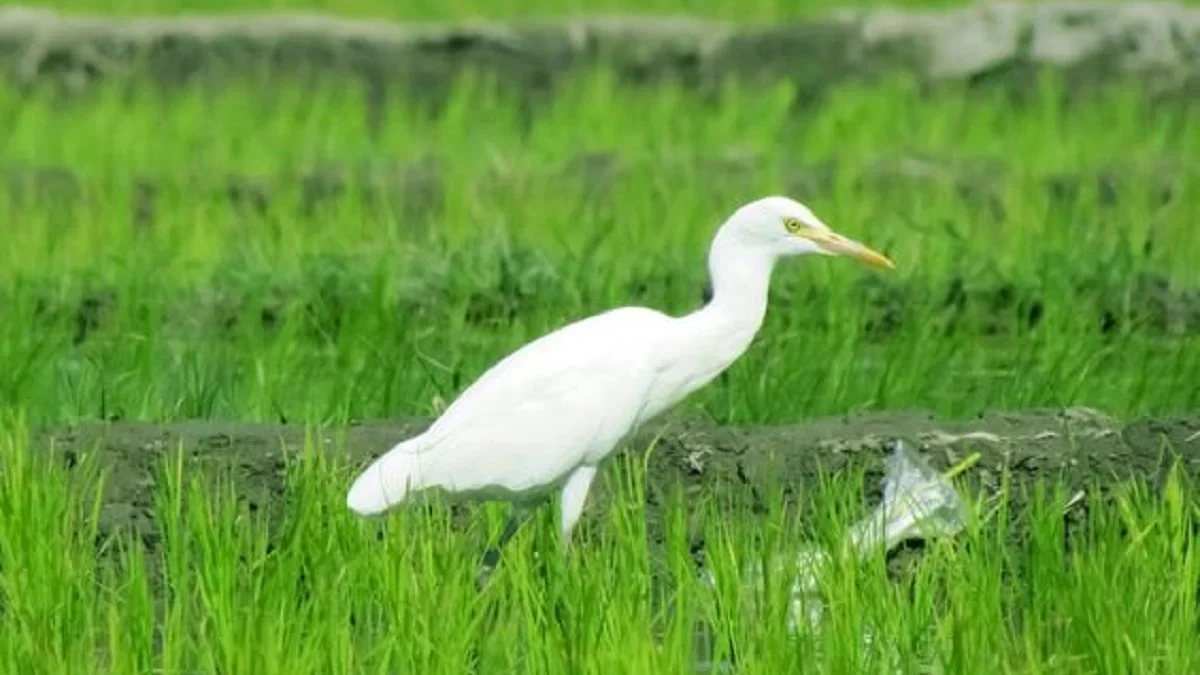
{"x":375,"y":307}
{"x":386,"y":304}
{"x":319,"y":591}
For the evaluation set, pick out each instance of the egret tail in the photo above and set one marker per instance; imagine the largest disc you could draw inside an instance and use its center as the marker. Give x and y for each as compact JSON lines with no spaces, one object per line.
{"x":389,"y":480}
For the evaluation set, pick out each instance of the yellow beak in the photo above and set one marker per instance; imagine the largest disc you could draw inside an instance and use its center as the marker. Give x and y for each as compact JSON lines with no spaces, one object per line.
{"x":838,"y":245}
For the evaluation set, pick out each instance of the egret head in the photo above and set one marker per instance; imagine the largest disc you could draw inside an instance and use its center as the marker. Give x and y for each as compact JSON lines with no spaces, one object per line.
{"x":788,"y":228}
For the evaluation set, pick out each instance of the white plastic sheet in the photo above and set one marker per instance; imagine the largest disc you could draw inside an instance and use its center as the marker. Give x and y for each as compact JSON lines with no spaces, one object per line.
{"x":918,"y":503}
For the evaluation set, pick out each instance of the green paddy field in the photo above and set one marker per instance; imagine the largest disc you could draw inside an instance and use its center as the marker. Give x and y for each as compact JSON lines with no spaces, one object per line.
{"x":277,"y":283}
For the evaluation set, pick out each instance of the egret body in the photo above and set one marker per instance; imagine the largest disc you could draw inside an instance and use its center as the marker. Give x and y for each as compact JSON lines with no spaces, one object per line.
{"x":547,"y":415}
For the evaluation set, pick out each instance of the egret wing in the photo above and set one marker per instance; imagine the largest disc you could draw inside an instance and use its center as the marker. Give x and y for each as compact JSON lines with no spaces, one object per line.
{"x":559,"y":401}
{"x":575,"y":358}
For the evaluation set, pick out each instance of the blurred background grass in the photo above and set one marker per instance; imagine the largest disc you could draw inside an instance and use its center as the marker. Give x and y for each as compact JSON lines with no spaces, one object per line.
{"x":270,"y":254}
{"x":456,"y":10}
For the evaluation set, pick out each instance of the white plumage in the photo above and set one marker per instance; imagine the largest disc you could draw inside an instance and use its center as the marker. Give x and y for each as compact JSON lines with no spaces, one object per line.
{"x":547,"y":415}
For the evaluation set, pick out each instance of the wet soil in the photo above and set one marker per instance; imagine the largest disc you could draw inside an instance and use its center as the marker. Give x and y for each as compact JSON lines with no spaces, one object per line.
{"x":1081,"y":448}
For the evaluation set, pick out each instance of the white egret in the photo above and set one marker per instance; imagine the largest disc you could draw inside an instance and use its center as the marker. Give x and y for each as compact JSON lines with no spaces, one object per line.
{"x":547,"y":415}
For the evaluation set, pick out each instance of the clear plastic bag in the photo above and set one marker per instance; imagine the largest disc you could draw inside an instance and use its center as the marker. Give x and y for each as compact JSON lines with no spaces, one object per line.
{"x":918,"y":503}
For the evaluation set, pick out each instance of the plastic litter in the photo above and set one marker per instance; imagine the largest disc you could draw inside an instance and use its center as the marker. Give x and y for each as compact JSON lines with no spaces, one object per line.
{"x":918,"y":503}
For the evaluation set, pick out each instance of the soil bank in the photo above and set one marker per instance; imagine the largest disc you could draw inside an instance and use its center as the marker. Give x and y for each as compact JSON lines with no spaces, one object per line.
{"x":1083,"y":448}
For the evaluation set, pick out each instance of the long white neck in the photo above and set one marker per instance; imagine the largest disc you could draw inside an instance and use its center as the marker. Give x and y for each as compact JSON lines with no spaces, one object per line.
{"x":741,"y":279}
{"x":707,"y":341}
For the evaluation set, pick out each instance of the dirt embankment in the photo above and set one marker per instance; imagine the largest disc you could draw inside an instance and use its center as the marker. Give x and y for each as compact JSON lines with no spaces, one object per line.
{"x":1079,"y":446}
{"x":1156,"y":42}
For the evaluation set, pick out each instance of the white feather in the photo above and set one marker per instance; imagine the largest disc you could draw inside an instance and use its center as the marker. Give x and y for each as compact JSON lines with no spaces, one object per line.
{"x":544,"y":417}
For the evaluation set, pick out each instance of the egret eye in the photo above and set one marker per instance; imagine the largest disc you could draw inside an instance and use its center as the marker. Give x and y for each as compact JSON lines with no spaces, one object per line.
{"x":792,"y":225}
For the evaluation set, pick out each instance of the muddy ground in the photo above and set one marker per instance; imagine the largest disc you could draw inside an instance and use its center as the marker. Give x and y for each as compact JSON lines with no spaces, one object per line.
{"x":1082,"y":447}
{"x":1143,"y":42}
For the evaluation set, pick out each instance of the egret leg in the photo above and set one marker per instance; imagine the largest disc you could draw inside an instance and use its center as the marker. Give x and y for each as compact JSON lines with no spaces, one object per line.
{"x":574,"y":495}
{"x":517,"y":515}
